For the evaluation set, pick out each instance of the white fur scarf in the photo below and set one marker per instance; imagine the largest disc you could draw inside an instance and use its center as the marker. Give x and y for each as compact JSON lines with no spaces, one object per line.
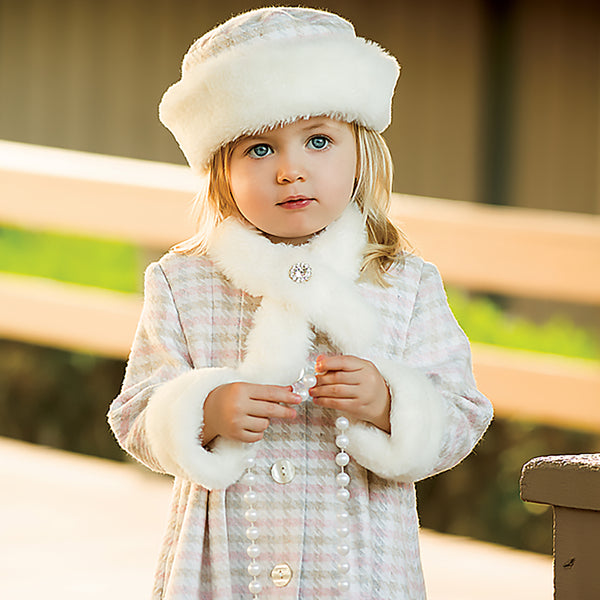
{"x":281,"y":338}
{"x":278,"y":347}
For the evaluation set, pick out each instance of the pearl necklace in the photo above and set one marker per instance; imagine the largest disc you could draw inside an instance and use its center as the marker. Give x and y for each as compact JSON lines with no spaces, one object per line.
{"x":342,"y":459}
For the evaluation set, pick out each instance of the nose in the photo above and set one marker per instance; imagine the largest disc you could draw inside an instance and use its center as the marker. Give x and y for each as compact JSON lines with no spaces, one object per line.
{"x":289,"y":170}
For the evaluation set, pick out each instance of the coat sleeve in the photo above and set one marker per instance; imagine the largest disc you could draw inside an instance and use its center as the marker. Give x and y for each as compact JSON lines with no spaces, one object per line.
{"x":158,"y":415}
{"x":437,"y":415}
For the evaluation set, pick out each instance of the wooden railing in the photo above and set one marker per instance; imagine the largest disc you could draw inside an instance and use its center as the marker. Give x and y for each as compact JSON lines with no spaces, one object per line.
{"x":521,"y":252}
{"x":571,"y":485}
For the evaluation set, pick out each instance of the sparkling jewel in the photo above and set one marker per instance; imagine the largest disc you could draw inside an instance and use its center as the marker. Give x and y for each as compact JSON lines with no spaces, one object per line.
{"x":300,"y":272}
{"x":303,"y":384}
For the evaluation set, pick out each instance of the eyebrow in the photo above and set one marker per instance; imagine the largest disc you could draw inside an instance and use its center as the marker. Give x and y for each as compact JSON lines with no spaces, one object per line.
{"x":319,"y":124}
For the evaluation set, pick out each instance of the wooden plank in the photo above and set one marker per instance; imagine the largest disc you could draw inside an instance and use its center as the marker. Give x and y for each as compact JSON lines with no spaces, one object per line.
{"x":522,"y":385}
{"x":138,"y":201}
{"x":67,"y":316}
{"x":513,"y":251}
{"x":549,"y":389}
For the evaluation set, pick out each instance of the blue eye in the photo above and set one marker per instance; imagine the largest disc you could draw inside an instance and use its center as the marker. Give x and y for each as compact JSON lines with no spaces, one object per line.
{"x":319,"y":142}
{"x":260,"y":151}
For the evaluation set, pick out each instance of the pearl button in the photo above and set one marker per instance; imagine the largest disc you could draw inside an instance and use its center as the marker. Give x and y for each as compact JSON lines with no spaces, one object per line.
{"x":281,"y":575}
{"x":283,"y":471}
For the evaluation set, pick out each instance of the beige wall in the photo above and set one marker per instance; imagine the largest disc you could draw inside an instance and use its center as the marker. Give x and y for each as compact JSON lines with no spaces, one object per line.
{"x":88,"y":74}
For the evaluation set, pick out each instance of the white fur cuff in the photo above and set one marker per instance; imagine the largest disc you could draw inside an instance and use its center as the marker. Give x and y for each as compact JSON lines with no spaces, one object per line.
{"x":418,"y":419}
{"x":174,"y":421}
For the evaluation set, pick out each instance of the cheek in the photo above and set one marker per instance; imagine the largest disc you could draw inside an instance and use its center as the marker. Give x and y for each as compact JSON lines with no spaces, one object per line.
{"x":241,"y":184}
{"x":347,"y":170}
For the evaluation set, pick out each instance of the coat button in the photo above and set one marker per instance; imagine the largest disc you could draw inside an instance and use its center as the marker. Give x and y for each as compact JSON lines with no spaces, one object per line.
{"x":281,"y":575}
{"x":283,"y":471}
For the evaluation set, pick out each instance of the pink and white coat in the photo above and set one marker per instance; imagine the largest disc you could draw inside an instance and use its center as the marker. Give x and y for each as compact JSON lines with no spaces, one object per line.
{"x":235,"y":315}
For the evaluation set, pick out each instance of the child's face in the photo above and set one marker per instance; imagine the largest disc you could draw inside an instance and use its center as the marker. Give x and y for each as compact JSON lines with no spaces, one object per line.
{"x":293,"y":181}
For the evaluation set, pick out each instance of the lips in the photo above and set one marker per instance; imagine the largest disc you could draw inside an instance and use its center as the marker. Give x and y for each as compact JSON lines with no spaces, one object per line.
{"x":292,"y":202}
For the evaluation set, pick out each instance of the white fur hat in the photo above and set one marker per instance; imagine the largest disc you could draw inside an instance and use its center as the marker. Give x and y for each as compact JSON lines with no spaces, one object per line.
{"x":271,"y":66}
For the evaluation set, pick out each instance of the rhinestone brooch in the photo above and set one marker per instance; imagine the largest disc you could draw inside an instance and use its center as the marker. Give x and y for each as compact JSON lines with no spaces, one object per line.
{"x":300,"y":272}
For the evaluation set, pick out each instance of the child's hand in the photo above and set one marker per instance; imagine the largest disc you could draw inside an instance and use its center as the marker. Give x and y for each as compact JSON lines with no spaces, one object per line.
{"x":242,"y":411}
{"x":353,"y":386}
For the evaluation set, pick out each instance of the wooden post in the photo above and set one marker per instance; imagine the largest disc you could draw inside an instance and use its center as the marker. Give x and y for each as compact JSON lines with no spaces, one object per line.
{"x":571,"y":485}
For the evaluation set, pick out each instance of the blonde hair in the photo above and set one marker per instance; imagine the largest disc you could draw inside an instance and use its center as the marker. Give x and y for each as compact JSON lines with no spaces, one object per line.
{"x":386,"y":244}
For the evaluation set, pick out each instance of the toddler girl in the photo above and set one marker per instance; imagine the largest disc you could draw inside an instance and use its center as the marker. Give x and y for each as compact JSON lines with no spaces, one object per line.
{"x":294,"y":368}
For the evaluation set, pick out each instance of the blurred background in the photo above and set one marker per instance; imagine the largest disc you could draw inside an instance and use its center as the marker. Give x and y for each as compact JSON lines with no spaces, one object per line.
{"x":498,"y":104}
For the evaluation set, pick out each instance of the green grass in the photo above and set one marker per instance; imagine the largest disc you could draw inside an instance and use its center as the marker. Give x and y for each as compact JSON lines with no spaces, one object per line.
{"x":484,"y":321}
{"x":118,"y":266}
{"x":106,"y":264}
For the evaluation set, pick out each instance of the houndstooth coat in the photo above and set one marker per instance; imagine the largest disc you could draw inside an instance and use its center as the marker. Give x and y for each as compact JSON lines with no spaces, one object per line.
{"x":235,"y":315}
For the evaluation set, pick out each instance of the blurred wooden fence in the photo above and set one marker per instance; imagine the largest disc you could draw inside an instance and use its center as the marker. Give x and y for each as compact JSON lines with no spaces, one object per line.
{"x":520,"y":252}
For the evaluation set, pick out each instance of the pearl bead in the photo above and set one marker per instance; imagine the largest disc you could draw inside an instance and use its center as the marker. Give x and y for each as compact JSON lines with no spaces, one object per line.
{"x":253,"y":551}
{"x":342,"y":423}
{"x":342,"y":479}
{"x":250,"y":462}
{"x":303,"y":393}
{"x":309,"y":380}
{"x":250,"y":497}
{"x":343,"y":567}
{"x":298,"y":386}
{"x":343,"y":549}
{"x":343,"y":585}
{"x":343,"y":531}
{"x":342,"y":459}
{"x":255,"y":587}
{"x":252,"y":533}
{"x":342,"y":441}
{"x":251,"y":515}
{"x":343,"y":516}
{"x":249,"y":478}
{"x":342,"y":494}
{"x":254,"y":569}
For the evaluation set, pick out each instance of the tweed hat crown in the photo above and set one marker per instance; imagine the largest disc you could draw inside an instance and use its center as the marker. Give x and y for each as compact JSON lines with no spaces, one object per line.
{"x":272,"y":66}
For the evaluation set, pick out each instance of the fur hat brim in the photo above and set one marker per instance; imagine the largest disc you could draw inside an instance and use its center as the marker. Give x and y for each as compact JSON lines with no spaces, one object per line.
{"x":260,"y":85}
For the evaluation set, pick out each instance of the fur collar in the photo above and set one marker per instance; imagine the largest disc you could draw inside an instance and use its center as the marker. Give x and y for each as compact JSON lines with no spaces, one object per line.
{"x":280,"y":341}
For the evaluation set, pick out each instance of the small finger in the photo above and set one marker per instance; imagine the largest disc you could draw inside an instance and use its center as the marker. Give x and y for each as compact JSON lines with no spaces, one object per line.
{"x":250,"y":437}
{"x":271,"y":410}
{"x":337,"y":390}
{"x":339,"y":362}
{"x":340,"y":404}
{"x":339,"y":377}
{"x":274,"y":393}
